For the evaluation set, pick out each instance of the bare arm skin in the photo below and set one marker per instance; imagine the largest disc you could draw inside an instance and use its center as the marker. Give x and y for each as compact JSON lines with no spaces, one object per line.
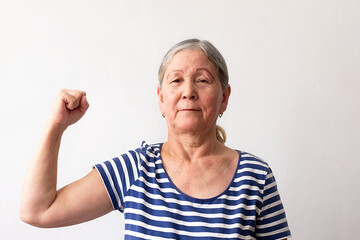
{"x":42,"y":205}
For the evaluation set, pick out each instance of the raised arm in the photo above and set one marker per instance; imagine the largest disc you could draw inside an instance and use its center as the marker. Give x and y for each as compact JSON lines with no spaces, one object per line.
{"x":42,"y":205}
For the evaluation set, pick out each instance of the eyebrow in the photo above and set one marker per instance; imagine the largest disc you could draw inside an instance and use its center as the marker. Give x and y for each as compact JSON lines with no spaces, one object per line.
{"x":206,"y":70}
{"x":198,"y":69}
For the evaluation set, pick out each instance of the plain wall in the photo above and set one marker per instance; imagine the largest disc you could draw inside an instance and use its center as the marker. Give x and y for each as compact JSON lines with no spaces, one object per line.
{"x":294,"y":70}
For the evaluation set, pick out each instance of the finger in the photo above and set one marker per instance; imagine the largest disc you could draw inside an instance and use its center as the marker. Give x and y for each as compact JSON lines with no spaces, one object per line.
{"x":84,"y":104}
{"x":72,"y":98}
{"x":70,"y":101}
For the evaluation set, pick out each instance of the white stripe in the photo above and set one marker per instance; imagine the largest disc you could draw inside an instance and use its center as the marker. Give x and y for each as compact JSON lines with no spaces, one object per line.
{"x":155,"y":146}
{"x":192,"y":204}
{"x":274,"y":214}
{"x":249,"y":178}
{"x":149,"y":174}
{"x":152,"y":155}
{"x":152,"y":175}
{"x":253,"y":170}
{"x":269,"y":206}
{"x":182,"y":232}
{"x":254,"y":162}
{"x":159,"y":170}
{"x":242,"y":196}
{"x":270,"y":175}
{"x":189,"y":223}
{"x":269,"y":186}
{"x":138,"y":158}
{"x":125,"y":174}
{"x":271,"y":195}
{"x":245,"y":186}
{"x":134,"y":168}
{"x":193,"y":213}
{"x":112,"y":185}
{"x":271,"y":224}
{"x":162,"y":180}
{"x":153,"y":185}
{"x":149,"y":164}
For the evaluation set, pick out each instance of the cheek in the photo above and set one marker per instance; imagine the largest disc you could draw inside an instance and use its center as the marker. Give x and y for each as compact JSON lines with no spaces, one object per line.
{"x":211,"y":107}
{"x":170,"y":100}
{"x":171,"y":94}
{"x":213,"y":100}
{"x":217,"y":105}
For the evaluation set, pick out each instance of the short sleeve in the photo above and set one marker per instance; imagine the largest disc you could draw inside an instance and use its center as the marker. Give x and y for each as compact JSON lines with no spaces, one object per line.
{"x":118,"y":175}
{"x":271,"y":223}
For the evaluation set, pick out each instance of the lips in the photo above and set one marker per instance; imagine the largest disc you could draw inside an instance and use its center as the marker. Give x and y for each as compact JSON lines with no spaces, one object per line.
{"x":189,"y":110}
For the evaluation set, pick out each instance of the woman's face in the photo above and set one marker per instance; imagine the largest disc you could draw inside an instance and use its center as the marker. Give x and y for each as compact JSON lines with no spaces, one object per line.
{"x":191,"y":96}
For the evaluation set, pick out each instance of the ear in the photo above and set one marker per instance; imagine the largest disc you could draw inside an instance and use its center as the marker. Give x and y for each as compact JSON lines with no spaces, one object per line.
{"x":161,"y":99}
{"x":225,"y":99}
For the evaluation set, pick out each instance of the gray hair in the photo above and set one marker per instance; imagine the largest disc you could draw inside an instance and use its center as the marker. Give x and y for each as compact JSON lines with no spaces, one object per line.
{"x":214,"y":56}
{"x":211,"y":52}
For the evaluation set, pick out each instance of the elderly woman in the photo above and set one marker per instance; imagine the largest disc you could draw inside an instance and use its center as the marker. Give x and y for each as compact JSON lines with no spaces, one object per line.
{"x":190,"y":187}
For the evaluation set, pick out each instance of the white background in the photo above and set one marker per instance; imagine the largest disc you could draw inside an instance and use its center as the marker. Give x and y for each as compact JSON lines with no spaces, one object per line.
{"x":295,"y":77}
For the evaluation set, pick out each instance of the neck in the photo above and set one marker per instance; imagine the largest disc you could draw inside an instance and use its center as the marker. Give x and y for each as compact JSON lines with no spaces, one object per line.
{"x":192,"y":146}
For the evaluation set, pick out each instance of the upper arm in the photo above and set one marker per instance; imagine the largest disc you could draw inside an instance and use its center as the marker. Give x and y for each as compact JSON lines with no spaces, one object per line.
{"x":78,"y":202}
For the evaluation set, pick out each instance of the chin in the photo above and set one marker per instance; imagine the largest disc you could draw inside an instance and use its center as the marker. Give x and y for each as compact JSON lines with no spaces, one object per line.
{"x":191,"y":126}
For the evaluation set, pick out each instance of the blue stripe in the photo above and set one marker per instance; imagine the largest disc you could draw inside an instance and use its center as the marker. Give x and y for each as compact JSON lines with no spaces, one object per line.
{"x":173,"y":201}
{"x":281,"y":235}
{"x":118,"y":188}
{"x":193,"y":229}
{"x":108,"y":187}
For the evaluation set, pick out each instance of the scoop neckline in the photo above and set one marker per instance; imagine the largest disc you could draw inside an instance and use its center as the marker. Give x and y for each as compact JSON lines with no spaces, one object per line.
{"x":194,"y":199}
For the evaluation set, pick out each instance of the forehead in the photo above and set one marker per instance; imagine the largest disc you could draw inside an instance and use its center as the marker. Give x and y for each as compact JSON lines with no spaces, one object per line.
{"x":189,"y":60}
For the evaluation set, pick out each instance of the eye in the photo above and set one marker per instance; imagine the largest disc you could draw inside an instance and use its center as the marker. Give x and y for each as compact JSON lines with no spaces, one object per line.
{"x":175,"y":80}
{"x":202,"y":80}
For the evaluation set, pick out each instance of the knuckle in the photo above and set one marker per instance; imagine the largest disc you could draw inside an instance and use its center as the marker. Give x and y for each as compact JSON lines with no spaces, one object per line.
{"x":63,"y":91}
{"x":71,"y":95}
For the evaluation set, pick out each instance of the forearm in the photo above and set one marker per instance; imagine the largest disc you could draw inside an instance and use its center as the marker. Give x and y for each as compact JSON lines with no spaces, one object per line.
{"x":39,"y":189}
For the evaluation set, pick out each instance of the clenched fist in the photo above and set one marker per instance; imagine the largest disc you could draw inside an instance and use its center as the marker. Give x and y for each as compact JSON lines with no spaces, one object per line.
{"x":69,"y":107}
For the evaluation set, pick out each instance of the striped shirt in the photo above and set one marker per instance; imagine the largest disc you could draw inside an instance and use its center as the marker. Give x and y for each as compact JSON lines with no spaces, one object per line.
{"x":154,"y":208}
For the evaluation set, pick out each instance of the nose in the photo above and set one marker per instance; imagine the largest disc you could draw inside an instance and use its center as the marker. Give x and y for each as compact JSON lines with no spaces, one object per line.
{"x":189,"y":91}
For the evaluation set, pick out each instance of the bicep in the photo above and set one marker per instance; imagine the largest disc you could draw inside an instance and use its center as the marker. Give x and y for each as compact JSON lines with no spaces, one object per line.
{"x":78,"y":202}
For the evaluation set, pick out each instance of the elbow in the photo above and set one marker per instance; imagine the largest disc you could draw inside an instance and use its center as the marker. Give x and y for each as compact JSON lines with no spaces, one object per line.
{"x":40,"y":220}
{"x":36,"y":214}
{"x":32,"y":219}
{"x":29,"y":219}
{"x":31,"y":214}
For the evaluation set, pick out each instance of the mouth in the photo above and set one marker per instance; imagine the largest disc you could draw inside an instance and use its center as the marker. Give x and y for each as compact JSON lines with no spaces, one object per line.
{"x":189,"y":110}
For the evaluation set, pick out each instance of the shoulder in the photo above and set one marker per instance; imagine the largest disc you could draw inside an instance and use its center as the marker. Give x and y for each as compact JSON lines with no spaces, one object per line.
{"x":250,"y":160}
{"x":128,"y":164}
{"x":149,"y":150}
{"x":138,"y":155}
{"x":253,"y":169}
